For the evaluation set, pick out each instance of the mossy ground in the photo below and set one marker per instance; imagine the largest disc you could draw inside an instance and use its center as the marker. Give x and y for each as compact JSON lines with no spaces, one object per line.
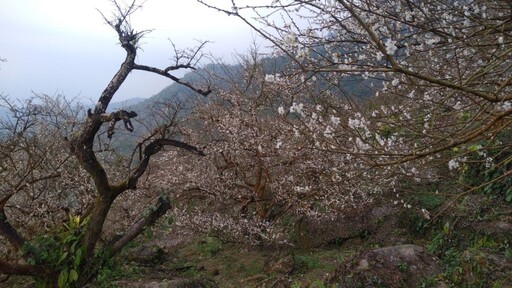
{"x":233,"y":265}
{"x":473,"y":242}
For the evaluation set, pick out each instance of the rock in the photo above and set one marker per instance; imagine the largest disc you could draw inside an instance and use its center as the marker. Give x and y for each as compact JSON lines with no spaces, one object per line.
{"x":313,"y":233}
{"x":350,"y":226}
{"x":165,"y":283}
{"x":192,"y":283}
{"x":394,"y":266}
{"x":147,"y":254}
{"x":279,"y":265}
{"x":498,"y":229}
{"x":496,"y":225}
{"x":485,"y":266}
{"x":214,"y":272}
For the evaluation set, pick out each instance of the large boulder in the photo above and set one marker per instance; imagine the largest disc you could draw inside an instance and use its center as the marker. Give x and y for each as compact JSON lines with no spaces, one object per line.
{"x":279,"y":265}
{"x":166,"y":283}
{"x":394,"y":266}
{"x":147,"y":254}
{"x":378,"y":218}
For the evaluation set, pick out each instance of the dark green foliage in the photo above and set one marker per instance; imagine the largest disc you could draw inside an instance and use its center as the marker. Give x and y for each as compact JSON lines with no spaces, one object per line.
{"x":306,"y":262}
{"x":490,"y":177}
{"x":42,"y":250}
{"x":60,"y":251}
{"x":209,"y":247}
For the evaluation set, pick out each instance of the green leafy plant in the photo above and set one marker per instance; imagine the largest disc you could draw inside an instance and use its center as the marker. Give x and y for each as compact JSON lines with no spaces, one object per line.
{"x":402,"y":267}
{"x":304,"y":263}
{"x":111,"y":271}
{"x":211,"y":246}
{"x":439,"y":239}
{"x":61,"y":252}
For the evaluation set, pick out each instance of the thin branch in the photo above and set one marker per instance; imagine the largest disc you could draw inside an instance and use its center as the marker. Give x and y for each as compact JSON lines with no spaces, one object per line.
{"x":258,"y":30}
{"x":454,"y":143}
{"x":400,"y":69}
{"x":152,"y":148}
{"x":172,"y":77}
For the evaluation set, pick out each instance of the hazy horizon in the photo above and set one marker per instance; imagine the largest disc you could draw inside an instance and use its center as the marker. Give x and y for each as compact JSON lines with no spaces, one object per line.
{"x":63,"y":47}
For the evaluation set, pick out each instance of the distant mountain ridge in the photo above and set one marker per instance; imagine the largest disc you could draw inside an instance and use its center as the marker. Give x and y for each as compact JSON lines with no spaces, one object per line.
{"x":124,"y":104}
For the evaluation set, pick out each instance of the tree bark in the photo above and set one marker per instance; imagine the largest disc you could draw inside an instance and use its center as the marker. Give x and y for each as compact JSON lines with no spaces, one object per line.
{"x":159,"y":208}
{"x":6,"y":228}
{"x":9,"y":232}
{"x":8,"y":268}
{"x":82,"y":146}
{"x":95,"y":224}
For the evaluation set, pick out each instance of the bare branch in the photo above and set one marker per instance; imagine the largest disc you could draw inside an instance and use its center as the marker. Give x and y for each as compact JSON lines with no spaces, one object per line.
{"x":172,"y":77}
{"x":187,"y":58}
{"x":156,"y":210}
{"x":128,"y":38}
{"x":113,"y":118}
{"x":151,"y":149}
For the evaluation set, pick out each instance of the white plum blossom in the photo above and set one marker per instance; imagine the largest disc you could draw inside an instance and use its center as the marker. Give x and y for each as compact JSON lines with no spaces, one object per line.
{"x":458,"y":106}
{"x":273,"y":78}
{"x":297,"y":108}
{"x":379,"y":55}
{"x":361,"y":145}
{"x":379,"y":140}
{"x":488,"y":162}
{"x":453,"y":164}
{"x":506,"y":106}
{"x":425,"y":213}
{"x":328,"y":133}
{"x":335,"y":120}
{"x":290,"y":39}
{"x":270,"y":78}
{"x":358,"y":122}
{"x":302,"y":53}
{"x":390,"y":46}
{"x":426,"y":120}
{"x":411,"y":90}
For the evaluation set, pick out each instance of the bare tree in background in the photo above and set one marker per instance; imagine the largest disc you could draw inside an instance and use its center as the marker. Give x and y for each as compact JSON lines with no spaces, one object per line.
{"x":27,"y":165}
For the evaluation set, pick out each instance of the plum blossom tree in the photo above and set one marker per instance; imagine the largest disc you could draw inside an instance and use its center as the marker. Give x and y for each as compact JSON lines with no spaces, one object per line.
{"x":262,"y":168}
{"x":52,"y":162}
{"x":442,"y":89}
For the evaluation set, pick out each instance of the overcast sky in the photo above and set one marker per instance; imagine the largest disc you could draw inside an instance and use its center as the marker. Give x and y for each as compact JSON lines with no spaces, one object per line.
{"x":65,"y":47}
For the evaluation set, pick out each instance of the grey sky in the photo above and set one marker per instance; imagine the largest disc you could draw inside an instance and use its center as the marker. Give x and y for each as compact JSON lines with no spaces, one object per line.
{"x":64,"y":46}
